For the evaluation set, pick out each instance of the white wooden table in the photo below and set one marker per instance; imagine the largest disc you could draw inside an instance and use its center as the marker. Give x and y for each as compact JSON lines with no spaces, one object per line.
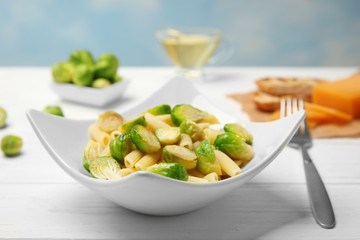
{"x":39,"y":201}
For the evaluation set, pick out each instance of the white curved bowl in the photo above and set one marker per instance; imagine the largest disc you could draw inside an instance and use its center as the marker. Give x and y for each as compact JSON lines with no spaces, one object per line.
{"x":97,"y":97}
{"x":146,"y":192}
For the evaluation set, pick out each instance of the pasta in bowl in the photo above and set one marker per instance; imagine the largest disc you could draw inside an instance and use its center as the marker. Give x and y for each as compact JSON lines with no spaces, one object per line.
{"x":144,"y":191}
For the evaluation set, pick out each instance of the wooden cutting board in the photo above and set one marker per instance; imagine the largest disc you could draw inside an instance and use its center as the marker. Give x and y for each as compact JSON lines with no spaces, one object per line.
{"x":351,"y":129}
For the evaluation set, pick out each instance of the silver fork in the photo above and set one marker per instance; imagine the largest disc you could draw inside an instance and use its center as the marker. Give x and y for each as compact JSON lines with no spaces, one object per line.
{"x":319,"y":199}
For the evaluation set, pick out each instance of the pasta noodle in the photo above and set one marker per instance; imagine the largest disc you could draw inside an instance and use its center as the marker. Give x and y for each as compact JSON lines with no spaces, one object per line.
{"x":238,"y":162}
{"x":132,"y":157}
{"x":212,"y":177}
{"x":204,"y":125}
{"x":196,"y":173}
{"x":196,"y":144}
{"x":227,"y":164}
{"x":154,"y":122}
{"x":185,"y":141}
{"x":99,"y":136}
{"x":106,"y":152}
{"x":126,"y":171}
{"x":211,"y":134}
{"x":166,"y":118}
{"x":147,"y":160}
{"x":197,"y":180}
{"x":115,"y":133}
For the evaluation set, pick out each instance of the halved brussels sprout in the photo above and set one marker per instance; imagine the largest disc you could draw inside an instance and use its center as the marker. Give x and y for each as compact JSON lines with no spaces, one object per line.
{"x":54,"y":110}
{"x":2,"y":117}
{"x":192,"y":129}
{"x":91,"y":151}
{"x":106,"y":66}
{"x":184,"y":156}
{"x":171,"y":170}
{"x":184,"y":112}
{"x":168,"y":135}
{"x":101,"y":83}
{"x":110,"y":121}
{"x":11,"y":145}
{"x":144,"y":139}
{"x":128,"y":125}
{"x":206,"y":159}
{"x":239,"y":130}
{"x":160,"y":110}
{"x":84,"y":75}
{"x":120,"y":147}
{"x":63,"y":72}
{"x":81,"y":57}
{"x":105,"y":168}
{"x":234,"y":146}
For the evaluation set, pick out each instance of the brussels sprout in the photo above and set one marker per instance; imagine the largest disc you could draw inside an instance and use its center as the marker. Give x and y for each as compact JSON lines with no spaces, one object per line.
{"x":101,"y":83}
{"x":121,"y":146}
{"x":81,"y":57}
{"x":91,"y":151}
{"x":2,"y":117}
{"x":160,"y":110}
{"x":63,"y":72}
{"x":192,"y":129}
{"x":239,"y":130}
{"x":171,"y":170}
{"x":168,"y":135}
{"x":117,"y":78}
{"x":128,"y":125}
{"x":184,"y":112}
{"x":234,"y":146}
{"x":206,"y":159}
{"x":184,"y":156}
{"x":83,"y":75}
{"x":106,"y":66}
{"x":109,"y":121}
{"x":144,"y":139}
{"x":105,"y":168}
{"x":54,"y":110}
{"x":11,"y":145}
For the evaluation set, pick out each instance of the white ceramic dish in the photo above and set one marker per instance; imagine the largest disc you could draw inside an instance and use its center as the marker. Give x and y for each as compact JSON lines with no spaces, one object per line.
{"x":146,"y":192}
{"x":90,"y":96}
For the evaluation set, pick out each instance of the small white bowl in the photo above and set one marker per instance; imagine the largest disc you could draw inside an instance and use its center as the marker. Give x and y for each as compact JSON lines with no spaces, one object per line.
{"x":90,"y":96}
{"x":147,"y":192}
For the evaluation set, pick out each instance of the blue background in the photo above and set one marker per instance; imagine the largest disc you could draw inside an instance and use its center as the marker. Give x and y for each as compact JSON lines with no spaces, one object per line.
{"x":263,"y":32}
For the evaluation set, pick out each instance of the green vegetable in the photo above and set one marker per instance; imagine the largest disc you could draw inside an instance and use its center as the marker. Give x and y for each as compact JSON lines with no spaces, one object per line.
{"x":81,"y":57}
{"x":192,"y":129}
{"x":171,"y":170}
{"x":144,"y":139}
{"x":110,"y":121}
{"x":2,"y":117}
{"x":234,"y":146}
{"x":91,"y":151}
{"x":105,"y":168}
{"x":63,"y":72}
{"x":160,"y":110}
{"x":106,"y":66}
{"x":117,"y":78}
{"x":168,"y":135}
{"x":11,"y":145}
{"x":101,"y":83}
{"x":206,"y":159}
{"x":239,"y":130}
{"x":83,"y":75}
{"x":128,"y":125}
{"x":184,"y":112}
{"x":177,"y":154}
{"x":54,"y":110}
{"x":120,"y":147}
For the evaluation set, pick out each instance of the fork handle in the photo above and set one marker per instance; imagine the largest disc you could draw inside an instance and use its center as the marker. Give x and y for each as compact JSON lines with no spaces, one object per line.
{"x":319,"y":199}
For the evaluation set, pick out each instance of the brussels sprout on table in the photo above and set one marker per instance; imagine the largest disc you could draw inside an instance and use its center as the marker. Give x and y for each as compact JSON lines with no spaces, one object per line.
{"x":120,"y":147}
{"x":234,"y":146}
{"x":192,"y":129}
{"x":168,"y":135}
{"x":171,"y":170}
{"x":54,"y":110}
{"x":110,"y":121}
{"x":105,"y":168}
{"x":84,"y":75}
{"x":106,"y":66}
{"x":101,"y":83}
{"x":184,"y":112}
{"x":2,"y":117}
{"x":11,"y":145}
{"x":160,"y":110}
{"x":206,"y":159}
{"x":239,"y":130}
{"x":81,"y":57}
{"x":128,"y":125}
{"x":63,"y":72}
{"x":144,"y":139}
{"x":177,"y":154}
